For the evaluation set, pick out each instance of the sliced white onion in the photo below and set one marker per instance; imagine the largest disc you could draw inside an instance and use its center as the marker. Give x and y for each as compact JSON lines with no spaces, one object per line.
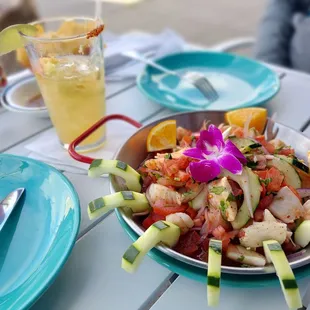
{"x":247,"y":194}
{"x":141,"y":213}
{"x":227,"y":132}
{"x":246,"y":126}
{"x":200,"y":212}
{"x":297,"y":254}
{"x":303,"y":192}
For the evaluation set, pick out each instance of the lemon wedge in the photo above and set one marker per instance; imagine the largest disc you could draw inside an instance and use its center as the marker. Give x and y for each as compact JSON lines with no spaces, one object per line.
{"x":10,"y":38}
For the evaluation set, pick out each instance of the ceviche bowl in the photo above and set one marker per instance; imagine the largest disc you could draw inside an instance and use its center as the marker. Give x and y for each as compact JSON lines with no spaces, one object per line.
{"x":133,"y":152}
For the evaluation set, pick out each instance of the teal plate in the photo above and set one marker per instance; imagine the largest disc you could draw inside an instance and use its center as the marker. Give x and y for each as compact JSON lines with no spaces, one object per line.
{"x":198,"y":274}
{"x":40,"y":233}
{"x":239,"y":81}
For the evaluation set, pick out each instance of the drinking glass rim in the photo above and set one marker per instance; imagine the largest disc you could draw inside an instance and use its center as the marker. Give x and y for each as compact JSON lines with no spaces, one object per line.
{"x":53,"y":19}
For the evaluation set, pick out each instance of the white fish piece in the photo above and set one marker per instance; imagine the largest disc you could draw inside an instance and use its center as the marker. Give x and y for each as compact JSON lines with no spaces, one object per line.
{"x":219,"y":193}
{"x":286,"y":206}
{"x":254,"y":235}
{"x":157,"y":192}
{"x":182,"y":220}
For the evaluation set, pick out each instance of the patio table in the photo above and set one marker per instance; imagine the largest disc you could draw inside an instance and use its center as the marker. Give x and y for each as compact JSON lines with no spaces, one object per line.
{"x":92,"y":277}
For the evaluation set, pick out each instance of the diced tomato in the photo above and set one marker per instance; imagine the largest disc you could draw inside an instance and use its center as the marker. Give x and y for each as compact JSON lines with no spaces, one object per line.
{"x":170,"y":182}
{"x":198,"y":222}
{"x":170,"y":167}
{"x":235,"y":187}
{"x":221,"y":234}
{"x":182,"y":176}
{"x":287,"y":152}
{"x":188,"y":243}
{"x":265,"y":202}
{"x":186,"y":141}
{"x":268,"y":146}
{"x":291,"y":226}
{"x":242,"y":232}
{"x":191,"y":212}
{"x":260,"y":138}
{"x":218,"y":232}
{"x":264,"y":191}
{"x":238,"y":132}
{"x":276,"y":178}
{"x":261,"y":173}
{"x":259,"y":215}
{"x":190,"y":184}
{"x":164,"y":211}
{"x":147,"y":181}
{"x":289,"y":248}
{"x":183,"y":162}
{"x":151,"y":219}
{"x":181,"y":132}
{"x":260,"y":250}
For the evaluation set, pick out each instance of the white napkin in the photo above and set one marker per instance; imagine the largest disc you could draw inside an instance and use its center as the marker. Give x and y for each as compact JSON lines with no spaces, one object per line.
{"x":119,"y":67}
{"x":48,"y":149}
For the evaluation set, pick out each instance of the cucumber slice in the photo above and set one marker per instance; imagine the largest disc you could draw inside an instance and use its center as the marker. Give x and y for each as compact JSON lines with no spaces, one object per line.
{"x":286,"y":276}
{"x":214,"y":272}
{"x":137,"y":202}
{"x":291,"y":176}
{"x":244,"y":144}
{"x":302,"y":234}
{"x":116,"y":167}
{"x":161,"y":231}
{"x":250,"y":185}
{"x":295,"y":162}
{"x":201,"y":199}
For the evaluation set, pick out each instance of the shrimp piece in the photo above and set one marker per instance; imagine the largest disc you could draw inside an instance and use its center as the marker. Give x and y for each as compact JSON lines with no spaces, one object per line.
{"x":174,"y":155}
{"x":155,"y":164}
{"x":182,"y":220}
{"x":182,"y":132}
{"x":156,"y":192}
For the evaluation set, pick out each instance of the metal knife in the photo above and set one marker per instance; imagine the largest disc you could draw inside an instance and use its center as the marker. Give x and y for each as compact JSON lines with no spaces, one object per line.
{"x":8,"y":204}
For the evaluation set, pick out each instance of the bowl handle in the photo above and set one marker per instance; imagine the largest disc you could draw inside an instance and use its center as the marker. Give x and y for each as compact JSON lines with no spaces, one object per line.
{"x":88,"y":160}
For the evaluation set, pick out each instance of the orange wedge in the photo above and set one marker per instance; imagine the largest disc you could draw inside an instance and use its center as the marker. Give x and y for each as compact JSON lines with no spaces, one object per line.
{"x":239,"y":117}
{"x":163,"y":136}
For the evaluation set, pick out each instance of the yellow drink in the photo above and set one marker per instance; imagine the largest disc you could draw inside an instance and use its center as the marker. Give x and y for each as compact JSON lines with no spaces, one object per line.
{"x":74,"y":93}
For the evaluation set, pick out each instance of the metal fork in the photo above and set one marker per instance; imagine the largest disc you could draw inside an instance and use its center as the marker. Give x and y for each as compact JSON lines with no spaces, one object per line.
{"x":195,"y":78}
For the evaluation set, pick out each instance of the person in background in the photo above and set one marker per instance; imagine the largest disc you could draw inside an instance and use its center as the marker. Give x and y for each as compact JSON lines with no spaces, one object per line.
{"x":14,"y":12}
{"x":284,"y":34}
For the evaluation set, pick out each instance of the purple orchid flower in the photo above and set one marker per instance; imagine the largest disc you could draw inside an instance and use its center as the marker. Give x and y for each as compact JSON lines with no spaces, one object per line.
{"x":213,"y":154}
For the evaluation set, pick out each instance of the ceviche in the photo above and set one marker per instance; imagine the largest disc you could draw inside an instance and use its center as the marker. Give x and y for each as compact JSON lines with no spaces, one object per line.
{"x":231,"y":185}
{"x":226,"y":194}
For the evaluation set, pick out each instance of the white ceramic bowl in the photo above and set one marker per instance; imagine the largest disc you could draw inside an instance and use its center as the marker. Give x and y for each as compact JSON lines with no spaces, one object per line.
{"x":23,"y":96}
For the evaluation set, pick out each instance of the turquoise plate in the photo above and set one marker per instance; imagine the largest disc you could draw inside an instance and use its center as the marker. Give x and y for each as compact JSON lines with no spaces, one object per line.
{"x":40,"y":233}
{"x":240,"y":82}
{"x":198,"y":274}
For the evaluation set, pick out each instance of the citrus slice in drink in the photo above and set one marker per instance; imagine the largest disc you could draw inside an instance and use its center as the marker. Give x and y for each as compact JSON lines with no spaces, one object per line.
{"x":163,"y":136}
{"x":240,"y":117}
{"x":10,"y":38}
